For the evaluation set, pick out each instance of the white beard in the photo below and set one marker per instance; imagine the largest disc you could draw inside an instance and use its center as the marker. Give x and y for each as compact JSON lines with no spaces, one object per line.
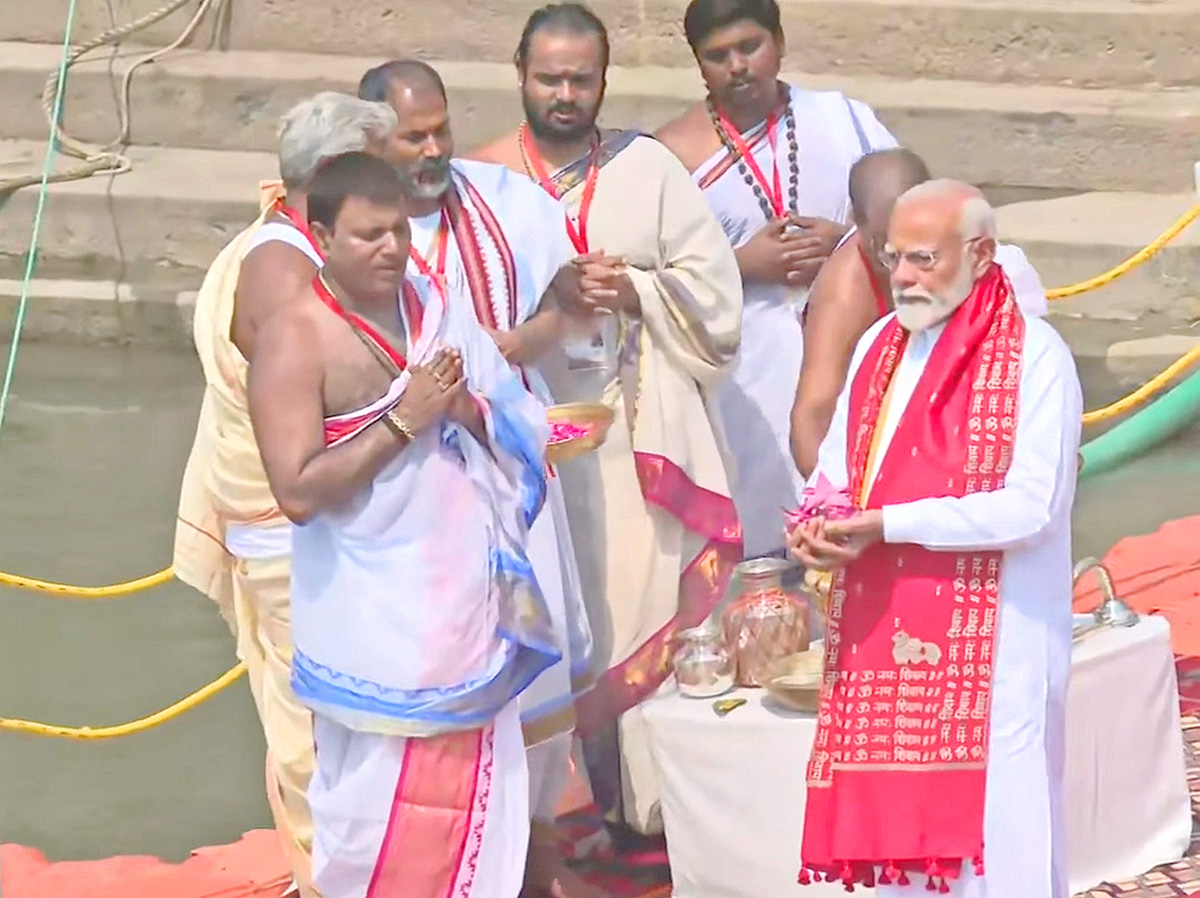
{"x":919,"y":310}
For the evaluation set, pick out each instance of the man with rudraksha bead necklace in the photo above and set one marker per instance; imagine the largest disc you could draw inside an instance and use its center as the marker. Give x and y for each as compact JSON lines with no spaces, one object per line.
{"x":773,"y":161}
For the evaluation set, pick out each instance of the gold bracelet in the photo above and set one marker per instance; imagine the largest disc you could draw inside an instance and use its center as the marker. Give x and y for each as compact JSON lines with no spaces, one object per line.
{"x":398,"y":425}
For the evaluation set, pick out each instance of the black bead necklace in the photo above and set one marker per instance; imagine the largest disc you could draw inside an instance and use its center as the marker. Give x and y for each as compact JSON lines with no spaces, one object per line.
{"x":789,"y":123}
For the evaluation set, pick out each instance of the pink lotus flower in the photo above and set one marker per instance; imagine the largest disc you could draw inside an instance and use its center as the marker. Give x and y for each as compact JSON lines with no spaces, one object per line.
{"x":821,"y":500}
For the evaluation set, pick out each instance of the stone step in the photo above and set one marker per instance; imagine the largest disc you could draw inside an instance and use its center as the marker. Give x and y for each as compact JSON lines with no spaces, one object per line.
{"x":159,"y":226}
{"x":1073,"y":238}
{"x":90,"y":311}
{"x":1083,"y":42}
{"x":1014,"y":135}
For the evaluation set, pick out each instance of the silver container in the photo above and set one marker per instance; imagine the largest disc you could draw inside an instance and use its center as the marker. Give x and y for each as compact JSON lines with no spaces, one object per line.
{"x":703,"y":666}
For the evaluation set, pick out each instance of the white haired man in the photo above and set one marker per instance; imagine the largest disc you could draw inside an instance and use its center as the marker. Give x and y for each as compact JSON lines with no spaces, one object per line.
{"x":955,"y":442}
{"x":851,"y":293}
{"x":231,"y":540}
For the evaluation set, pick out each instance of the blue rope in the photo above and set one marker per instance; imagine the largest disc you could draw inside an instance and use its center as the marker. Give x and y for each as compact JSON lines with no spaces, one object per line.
{"x":47,"y":168}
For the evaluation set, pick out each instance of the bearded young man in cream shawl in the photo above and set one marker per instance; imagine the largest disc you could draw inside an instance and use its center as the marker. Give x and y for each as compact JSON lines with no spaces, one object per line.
{"x":232,"y":543}
{"x":658,"y":291}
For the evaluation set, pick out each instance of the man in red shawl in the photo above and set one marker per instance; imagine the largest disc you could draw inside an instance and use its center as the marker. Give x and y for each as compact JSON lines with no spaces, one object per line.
{"x":938,"y":759}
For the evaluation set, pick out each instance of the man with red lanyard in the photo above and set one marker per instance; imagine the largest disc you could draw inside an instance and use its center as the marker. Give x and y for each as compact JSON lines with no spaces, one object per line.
{"x":411,"y":461}
{"x":232,"y":542}
{"x":495,"y":240}
{"x":954,"y":446}
{"x":656,"y":532}
{"x":772,"y":160}
{"x":852,"y":292}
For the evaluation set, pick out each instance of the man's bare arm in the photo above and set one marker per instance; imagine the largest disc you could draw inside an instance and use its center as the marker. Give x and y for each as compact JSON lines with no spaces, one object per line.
{"x":531,"y":340}
{"x":501,"y":151}
{"x":841,"y":307}
{"x":274,"y":276}
{"x":287,"y":410}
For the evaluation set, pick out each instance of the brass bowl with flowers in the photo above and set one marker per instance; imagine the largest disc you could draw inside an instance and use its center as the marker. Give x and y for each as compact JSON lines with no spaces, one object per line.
{"x":795,"y":681}
{"x":576,"y":428}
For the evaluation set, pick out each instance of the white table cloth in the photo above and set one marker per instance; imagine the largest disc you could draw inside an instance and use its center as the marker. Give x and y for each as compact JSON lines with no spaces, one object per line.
{"x":733,"y":788}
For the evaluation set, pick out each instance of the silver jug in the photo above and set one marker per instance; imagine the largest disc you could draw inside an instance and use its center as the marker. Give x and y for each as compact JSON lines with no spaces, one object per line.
{"x":703,"y":666}
{"x":1112,"y":611}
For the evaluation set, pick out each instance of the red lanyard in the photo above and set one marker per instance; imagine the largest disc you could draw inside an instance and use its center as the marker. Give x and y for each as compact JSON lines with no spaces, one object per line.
{"x":774,"y":190}
{"x":437,"y":272}
{"x":327,"y":296}
{"x":577,"y":228}
{"x":281,"y":208}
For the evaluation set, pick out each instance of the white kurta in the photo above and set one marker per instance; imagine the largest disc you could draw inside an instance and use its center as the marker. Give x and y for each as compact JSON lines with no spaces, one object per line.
{"x":532,"y":225}
{"x":1029,"y":520}
{"x":755,"y":404}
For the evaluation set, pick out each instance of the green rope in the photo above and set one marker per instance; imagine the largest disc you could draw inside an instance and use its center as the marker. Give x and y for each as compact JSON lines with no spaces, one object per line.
{"x":47,"y":168}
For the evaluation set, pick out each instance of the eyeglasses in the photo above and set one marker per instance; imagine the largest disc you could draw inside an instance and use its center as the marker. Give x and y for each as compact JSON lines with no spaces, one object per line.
{"x":920,"y":259}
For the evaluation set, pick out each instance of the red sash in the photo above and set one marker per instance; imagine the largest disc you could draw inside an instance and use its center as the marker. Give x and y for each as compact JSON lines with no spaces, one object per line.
{"x":473,"y":262}
{"x":897,"y":775}
{"x":288,"y":212}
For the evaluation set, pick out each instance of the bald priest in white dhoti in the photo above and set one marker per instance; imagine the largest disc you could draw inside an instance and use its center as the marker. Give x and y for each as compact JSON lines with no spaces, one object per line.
{"x":773,"y":161}
{"x":953,"y":447}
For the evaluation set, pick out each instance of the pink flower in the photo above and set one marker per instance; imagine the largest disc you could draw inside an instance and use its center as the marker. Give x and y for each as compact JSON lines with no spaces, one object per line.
{"x":565,"y":432}
{"x":821,"y":500}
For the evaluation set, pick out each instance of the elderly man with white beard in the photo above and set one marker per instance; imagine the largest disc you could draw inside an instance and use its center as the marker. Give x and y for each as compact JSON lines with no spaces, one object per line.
{"x":942,"y":501}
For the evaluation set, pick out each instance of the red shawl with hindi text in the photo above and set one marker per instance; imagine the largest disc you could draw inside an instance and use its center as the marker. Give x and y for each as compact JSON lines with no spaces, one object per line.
{"x":897,"y":775}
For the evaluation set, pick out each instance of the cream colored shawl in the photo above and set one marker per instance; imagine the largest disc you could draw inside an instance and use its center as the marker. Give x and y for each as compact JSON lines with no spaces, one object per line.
{"x":224,"y":480}
{"x":654,"y":526}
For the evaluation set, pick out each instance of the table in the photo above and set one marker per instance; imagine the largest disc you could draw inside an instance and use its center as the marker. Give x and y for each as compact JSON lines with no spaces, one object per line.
{"x":732,"y":788}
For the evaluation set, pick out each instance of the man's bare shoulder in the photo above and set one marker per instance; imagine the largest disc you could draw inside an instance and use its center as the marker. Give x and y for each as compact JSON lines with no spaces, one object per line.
{"x":273,"y":271}
{"x":843,"y":279}
{"x":690,"y":137}
{"x":296,"y":329}
{"x":501,"y":151}
{"x":272,"y":276}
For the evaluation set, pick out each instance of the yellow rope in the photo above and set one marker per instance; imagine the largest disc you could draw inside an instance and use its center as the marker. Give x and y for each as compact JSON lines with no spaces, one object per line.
{"x":65,"y":590}
{"x":1132,"y":262}
{"x":180,"y":707}
{"x":1147,"y":390}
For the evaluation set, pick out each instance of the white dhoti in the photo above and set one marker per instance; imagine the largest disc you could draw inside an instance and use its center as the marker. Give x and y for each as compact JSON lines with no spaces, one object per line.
{"x":548,"y":704}
{"x":505,"y":244}
{"x":417,"y":623}
{"x":755,"y":405}
{"x":420,"y":817}
{"x":549,"y":765}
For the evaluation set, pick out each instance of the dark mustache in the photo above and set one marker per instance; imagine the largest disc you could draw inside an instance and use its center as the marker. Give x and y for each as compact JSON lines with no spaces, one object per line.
{"x":563,"y":107}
